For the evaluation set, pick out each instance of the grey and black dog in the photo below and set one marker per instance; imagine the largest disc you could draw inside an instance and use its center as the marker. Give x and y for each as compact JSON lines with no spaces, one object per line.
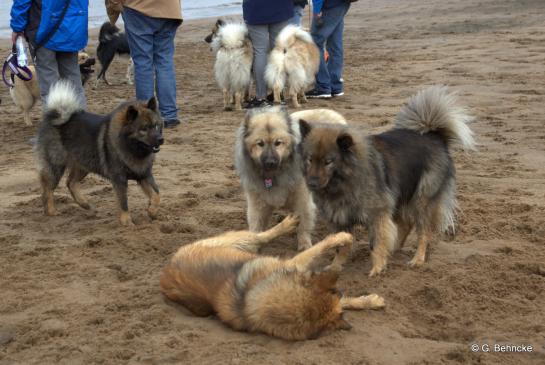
{"x":393,"y":181}
{"x":119,"y":146}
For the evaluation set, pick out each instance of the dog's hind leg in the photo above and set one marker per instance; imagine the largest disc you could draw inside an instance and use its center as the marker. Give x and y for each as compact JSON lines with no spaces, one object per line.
{"x":226,"y":100}
{"x":49,"y":179}
{"x":73,"y":182}
{"x":371,"y":301}
{"x":276,"y":94}
{"x":130,"y":72}
{"x":383,"y":233}
{"x":293,"y":97}
{"x":151,"y":190}
{"x":238,"y":100}
{"x":317,"y":257}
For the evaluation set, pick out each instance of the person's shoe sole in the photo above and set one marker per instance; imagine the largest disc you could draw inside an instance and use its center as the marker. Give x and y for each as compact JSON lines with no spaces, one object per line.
{"x":321,"y":96}
{"x":337,"y":94}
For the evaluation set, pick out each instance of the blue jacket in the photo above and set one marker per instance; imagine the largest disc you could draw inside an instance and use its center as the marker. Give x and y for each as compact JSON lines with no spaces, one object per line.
{"x":37,"y":17}
{"x":257,"y":12}
{"x":318,"y":5}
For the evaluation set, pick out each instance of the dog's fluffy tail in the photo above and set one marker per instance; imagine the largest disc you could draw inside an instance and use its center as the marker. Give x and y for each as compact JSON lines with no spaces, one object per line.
{"x":62,"y":103}
{"x":435,"y":110}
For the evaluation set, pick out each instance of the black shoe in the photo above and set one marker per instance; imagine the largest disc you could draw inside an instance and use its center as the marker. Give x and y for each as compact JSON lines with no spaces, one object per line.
{"x":337,"y":93}
{"x":257,"y":103}
{"x":315,"y":94}
{"x":171,"y":123}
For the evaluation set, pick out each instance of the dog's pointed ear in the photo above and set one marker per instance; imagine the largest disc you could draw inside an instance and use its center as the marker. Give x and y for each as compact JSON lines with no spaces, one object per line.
{"x":152,"y":104}
{"x":345,"y":141}
{"x":342,"y":324}
{"x":304,"y":128}
{"x":220,"y":23}
{"x":132,"y":113}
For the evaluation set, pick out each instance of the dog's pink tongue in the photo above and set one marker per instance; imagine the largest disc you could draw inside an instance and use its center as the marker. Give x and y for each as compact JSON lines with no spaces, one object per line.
{"x":268,"y":183}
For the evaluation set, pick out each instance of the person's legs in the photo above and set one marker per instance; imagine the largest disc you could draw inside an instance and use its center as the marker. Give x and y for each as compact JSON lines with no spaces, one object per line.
{"x":336,"y":52}
{"x":320,"y":34}
{"x":274,"y":30}
{"x":259,"y":35}
{"x":69,"y":69}
{"x":297,"y":15}
{"x":48,"y":72}
{"x":139,"y":30}
{"x":165,"y":76}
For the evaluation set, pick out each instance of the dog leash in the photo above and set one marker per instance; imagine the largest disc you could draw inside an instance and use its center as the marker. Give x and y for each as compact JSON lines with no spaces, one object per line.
{"x":22,"y":72}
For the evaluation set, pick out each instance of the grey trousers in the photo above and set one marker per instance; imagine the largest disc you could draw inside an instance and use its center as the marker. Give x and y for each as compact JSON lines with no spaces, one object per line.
{"x":263,"y":37}
{"x":52,"y":66}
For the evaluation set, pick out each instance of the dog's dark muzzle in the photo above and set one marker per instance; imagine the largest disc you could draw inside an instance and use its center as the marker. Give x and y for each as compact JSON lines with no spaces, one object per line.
{"x":313,"y":183}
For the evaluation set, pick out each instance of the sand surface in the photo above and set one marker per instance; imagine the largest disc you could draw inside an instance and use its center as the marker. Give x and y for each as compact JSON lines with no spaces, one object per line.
{"x":78,"y":289}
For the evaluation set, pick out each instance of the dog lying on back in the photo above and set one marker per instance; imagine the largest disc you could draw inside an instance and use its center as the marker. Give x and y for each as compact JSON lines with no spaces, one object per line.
{"x":111,"y":42}
{"x":234,"y":57}
{"x":294,"y":299}
{"x":293,"y":64}
{"x":391,"y":182}
{"x":120,"y":146}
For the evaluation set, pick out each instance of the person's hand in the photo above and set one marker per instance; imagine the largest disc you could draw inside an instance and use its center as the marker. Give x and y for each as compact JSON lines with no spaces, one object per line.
{"x":14,"y":36}
{"x":319,"y":20}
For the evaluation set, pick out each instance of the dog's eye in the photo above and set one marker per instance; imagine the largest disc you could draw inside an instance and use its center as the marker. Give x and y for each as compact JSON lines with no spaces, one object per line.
{"x":260,"y":143}
{"x":278,"y":142}
{"x":328,"y":162}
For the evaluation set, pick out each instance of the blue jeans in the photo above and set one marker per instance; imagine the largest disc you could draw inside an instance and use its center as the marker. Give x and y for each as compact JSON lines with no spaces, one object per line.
{"x":151,"y":41}
{"x":298,"y":12}
{"x":330,"y":34}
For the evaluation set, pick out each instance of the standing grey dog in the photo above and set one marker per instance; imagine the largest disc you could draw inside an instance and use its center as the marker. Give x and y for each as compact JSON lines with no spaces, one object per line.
{"x":271,"y":172}
{"x":393,"y":181}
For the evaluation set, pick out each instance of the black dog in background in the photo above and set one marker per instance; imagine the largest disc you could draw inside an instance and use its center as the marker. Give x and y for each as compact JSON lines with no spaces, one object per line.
{"x":111,"y":41}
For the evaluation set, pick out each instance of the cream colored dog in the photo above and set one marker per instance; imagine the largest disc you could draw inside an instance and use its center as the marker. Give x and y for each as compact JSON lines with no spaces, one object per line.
{"x":293,"y":64}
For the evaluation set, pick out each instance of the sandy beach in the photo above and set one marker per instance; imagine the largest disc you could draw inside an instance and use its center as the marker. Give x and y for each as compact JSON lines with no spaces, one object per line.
{"x":79,"y":289}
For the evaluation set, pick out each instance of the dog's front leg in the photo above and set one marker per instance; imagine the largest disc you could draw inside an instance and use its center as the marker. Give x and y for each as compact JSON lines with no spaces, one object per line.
{"x":276,"y":94}
{"x":120,"y":187}
{"x":151,"y":190}
{"x":306,"y":210}
{"x":383,"y":236}
{"x":259,"y":213}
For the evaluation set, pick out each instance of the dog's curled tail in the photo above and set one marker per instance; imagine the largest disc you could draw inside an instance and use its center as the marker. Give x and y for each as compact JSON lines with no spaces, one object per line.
{"x":435,"y":110}
{"x":62,"y":103}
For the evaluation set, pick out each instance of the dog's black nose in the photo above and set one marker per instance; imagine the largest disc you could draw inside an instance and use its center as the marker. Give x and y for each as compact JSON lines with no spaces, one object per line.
{"x":270,"y":164}
{"x":160,"y":140}
{"x":313,"y":183}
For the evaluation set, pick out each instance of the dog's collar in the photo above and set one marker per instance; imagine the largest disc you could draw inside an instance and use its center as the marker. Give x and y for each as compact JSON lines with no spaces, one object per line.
{"x":10,"y":63}
{"x":268,"y":183}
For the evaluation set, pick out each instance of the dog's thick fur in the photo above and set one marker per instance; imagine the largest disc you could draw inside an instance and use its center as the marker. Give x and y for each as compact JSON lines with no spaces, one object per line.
{"x":234,"y":57}
{"x":293,"y":64}
{"x":270,"y":171}
{"x":119,"y":146}
{"x":25,"y":94}
{"x":112,"y":41}
{"x":393,"y":181}
{"x":293,"y":299}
